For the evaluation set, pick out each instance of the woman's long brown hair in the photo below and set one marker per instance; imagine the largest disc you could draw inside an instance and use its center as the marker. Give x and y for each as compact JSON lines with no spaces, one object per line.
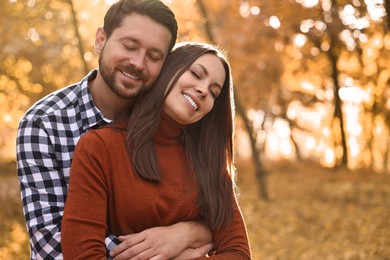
{"x":208,"y":142}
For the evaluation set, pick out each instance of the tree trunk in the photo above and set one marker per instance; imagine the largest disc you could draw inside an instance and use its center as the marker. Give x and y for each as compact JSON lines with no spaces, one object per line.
{"x":334,"y":27}
{"x":77,"y":32}
{"x":259,"y":169}
{"x":338,"y":113}
{"x":387,"y":7}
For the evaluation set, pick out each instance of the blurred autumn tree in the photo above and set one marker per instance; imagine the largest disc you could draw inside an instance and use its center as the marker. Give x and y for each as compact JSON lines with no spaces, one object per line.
{"x":310,"y":75}
{"x":38,"y":53}
{"x":313,"y":75}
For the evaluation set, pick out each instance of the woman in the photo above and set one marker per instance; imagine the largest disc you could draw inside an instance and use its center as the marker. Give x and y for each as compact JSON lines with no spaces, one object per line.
{"x":172,"y":161}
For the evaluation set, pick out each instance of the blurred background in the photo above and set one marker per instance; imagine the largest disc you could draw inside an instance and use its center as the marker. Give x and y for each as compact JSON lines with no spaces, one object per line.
{"x":312,"y":89}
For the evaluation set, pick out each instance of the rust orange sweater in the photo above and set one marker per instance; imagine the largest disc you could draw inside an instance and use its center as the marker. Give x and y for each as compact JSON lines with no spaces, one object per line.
{"x":106,"y":197}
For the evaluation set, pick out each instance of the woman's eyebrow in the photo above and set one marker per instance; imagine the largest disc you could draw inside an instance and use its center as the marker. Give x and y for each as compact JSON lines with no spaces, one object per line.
{"x":207,"y":73}
{"x":203,"y":68}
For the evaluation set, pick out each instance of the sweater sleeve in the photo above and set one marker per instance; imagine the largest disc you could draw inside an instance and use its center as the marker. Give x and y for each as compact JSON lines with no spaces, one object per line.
{"x":84,"y":222}
{"x":232,"y":243}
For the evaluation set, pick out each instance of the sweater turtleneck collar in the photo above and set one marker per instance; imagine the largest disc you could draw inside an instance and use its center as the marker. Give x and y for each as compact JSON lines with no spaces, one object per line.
{"x":169,"y":130}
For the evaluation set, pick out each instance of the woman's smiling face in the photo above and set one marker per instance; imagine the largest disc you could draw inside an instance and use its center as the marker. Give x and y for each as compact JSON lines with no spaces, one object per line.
{"x":193,"y":95}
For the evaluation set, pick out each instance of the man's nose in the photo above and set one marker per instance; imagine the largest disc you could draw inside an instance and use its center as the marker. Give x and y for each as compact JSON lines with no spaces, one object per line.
{"x":138,"y":59}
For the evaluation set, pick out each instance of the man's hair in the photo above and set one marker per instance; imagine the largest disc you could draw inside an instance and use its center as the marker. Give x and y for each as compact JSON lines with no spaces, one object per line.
{"x":154,"y":9}
{"x":208,"y":142}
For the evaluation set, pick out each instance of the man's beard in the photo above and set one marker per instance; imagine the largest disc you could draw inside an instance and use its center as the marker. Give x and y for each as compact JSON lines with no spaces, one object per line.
{"x":108,"y":75}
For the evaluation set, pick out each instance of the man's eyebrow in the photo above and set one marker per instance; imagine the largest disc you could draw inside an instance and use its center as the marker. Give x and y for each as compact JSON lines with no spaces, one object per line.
{"x":128,"y":38}
{"x":136,"y":41}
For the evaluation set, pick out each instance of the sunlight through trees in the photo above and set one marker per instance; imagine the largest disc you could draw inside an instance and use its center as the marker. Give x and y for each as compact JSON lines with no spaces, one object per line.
{"x":312,"y":85}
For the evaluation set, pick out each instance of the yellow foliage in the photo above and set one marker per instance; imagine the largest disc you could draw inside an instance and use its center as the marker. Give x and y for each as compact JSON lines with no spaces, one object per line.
{"x":23,"y":66}
{"x":349,"y":62}
{"x":17,"y":240}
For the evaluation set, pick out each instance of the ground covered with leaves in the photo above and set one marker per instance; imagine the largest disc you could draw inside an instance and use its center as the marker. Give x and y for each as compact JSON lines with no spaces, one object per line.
{"x":312,"y":213}
{"x":316,"y":213}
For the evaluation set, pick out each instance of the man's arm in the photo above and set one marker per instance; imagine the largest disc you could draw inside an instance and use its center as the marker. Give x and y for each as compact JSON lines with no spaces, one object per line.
{"x":43,"y":178}
{"x":43,"y":189}
{"x":183,"y":240}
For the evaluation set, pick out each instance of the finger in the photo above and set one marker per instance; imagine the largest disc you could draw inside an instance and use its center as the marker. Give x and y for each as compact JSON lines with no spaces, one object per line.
{"x":127,"y":242}
{"x":123,"y":238}
{"x":156,"y":258}
{"x":147,"y":254}
{"x":135,"y":237}
{"x":134,"y":252}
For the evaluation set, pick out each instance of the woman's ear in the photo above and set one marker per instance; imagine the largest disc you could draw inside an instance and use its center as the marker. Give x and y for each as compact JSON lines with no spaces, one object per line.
{"x":100,"y":40}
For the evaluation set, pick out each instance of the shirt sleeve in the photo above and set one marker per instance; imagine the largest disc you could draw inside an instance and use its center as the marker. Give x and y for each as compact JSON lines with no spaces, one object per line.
{"x":85,"y":217}
{"x":43,"y":179}
{"x":43,"y":189}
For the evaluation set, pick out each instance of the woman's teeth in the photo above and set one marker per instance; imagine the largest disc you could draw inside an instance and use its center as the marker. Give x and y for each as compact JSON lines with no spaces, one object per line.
{"x":191,"y":101}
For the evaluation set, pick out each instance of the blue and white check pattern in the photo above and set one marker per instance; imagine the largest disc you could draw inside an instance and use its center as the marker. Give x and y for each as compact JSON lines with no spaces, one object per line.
{"x":47,"y":136}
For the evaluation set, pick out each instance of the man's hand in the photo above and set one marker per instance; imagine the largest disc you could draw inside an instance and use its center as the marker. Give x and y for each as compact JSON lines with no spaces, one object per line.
{"x":184,"y":240}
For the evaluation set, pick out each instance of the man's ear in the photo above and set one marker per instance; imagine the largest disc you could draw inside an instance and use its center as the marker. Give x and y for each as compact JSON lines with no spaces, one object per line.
{"x":100,"y":40}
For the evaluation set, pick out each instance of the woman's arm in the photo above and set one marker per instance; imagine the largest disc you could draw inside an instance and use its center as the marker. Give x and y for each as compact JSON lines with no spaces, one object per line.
{"x":182,"y":240}
{"x":84,"y":222}
{"x":232,"y":243}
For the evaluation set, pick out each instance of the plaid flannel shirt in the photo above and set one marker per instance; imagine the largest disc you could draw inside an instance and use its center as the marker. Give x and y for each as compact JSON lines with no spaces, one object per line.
{"x":46,"y":139}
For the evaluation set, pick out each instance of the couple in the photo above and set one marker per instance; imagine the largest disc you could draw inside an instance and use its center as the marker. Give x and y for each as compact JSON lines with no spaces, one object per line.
{"x":152,"y":176}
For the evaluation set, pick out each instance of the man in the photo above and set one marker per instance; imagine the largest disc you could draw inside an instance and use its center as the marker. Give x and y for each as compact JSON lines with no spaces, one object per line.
{"x":132,"y":45}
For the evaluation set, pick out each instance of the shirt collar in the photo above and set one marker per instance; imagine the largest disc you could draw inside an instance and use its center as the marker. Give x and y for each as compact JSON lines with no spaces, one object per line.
{"x":92,"y":116}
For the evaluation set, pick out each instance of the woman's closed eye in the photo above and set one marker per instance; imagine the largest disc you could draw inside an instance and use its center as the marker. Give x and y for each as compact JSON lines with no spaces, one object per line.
{"x":195,"y":74}
{"x":215,"y":90}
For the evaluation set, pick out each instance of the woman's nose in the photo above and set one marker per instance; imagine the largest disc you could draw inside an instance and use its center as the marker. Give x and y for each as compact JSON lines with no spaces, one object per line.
{"x":201,"y":90}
